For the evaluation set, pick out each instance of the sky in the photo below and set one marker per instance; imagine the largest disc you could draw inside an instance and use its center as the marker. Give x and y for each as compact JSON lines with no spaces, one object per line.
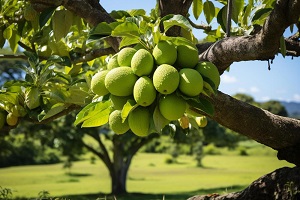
{"x":281,"y":83}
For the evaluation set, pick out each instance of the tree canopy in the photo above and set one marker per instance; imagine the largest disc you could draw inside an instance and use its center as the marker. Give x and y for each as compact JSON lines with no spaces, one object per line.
{"x":66,"y":42}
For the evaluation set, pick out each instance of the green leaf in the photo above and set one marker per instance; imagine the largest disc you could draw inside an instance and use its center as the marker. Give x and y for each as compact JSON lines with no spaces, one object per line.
{"x":13,"y":41}
{"x":127,"y":108}
{"x":237,"y":8}
{"x":126,"y":41}
{"x":45,"y":16}
{"x":84,"y":113}
{"x":119,"y":14}
{"x":246,"y":15}
{"x":202,"y":104}
{"x":197,"y":8}
{"x":33,"y":58}
{"x":260,"y":15}
{"x":94,"y":114}
{"x":55,"y":109}
{"x":136,"y":12}
{"x":156,"y":32}
{"x":102,"y":29}
{"x":177,"y":20}
{"x":99,"y":116}
{"x":61,"y":23}
{"x":209,"y":11}
{"x":222,"y":18}
{"x":159,"y":120}
{"x":7,"y":33}
{"x":126,"y":29}
{"x":179,"y":41}
{"x":282,"y":46}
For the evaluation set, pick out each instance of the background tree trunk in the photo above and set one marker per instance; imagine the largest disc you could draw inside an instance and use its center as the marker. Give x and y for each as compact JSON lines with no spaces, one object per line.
{"x":281,"y":184}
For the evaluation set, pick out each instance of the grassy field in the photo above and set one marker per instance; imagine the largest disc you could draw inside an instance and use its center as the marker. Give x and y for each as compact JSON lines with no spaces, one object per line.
{"x":149,"y":177}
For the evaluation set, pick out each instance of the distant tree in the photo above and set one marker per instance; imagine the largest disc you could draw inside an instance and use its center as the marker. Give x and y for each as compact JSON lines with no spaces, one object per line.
{"x":274,"y":107}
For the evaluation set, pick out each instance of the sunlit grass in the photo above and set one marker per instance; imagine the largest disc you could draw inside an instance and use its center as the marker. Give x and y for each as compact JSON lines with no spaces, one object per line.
{"x":149,"y":174}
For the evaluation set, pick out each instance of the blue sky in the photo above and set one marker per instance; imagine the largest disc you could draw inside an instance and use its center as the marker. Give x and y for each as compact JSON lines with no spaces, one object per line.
{"x":253,"y":77}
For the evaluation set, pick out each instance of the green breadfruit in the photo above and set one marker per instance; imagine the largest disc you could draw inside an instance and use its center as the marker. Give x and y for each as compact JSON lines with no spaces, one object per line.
{"x":97,"y":83}
{"x":144,"y":92}
{"x":120,"y":81}
{"x":165,"y":53}
{"x":166,"y":79}
{"x":172,"y":107}
{"x":187,"y":56}
{"x":142,"y":62}
{"x":139,"y":121}
{"x":116,"y":124}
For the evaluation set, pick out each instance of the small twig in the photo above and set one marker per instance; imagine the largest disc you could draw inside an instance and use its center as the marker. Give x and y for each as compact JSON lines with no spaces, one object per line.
{"x":24,"y":46}
{"x":9,"y":56}
{"x":199,"y":26}
{"x":229,"y":14}
{"x":94,"y":54}
{"x":58,"y":115}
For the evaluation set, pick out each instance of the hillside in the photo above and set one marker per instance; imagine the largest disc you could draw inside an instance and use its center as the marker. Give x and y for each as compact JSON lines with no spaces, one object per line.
{"x":293,"y":108}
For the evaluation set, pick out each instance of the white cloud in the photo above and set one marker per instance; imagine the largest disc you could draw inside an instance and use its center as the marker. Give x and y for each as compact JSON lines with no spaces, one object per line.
{"x":242,"y":90}
{"x":225,"y":78}
{"x":254,"y":89}
{"x":296,"y":97}
{"x":265,"y":98}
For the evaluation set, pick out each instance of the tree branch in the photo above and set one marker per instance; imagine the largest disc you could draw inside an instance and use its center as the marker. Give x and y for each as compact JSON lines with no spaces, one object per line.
{"x":199,"y":26}
{"x":261,"y":46}
{"x":271,"y":130}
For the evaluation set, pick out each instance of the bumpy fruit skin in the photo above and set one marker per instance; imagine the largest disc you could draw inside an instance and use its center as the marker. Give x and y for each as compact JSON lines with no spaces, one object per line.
{"x":120,"y":81}
{"x":187,"y":56}
{"x":97,"y":83}
{"x":29,"y":13}
{"x":165,"y":53}
{"x":142,"y":62}
{"x":139,"y":121}
{"x":113,"y":62}
{"x":166,"y":79}
{"x":144,"y":92}
{"x":11,"y":119}
{"x":209,"y":70}
{"x":2,"y":119}
{"x":172,"y":107}
{"x":125,"y":56}
{"x":116,"y":124}
{"x":191,"y":82}
{"x":118,"y":102}
{"x":201,"y":121}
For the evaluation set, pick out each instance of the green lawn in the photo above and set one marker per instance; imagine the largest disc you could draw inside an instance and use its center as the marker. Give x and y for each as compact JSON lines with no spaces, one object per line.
{"x":149,"y":177}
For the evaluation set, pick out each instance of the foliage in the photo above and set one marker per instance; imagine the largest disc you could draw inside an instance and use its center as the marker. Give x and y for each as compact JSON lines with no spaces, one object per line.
{"x":55,"y":38}
{"x":19,"y":151}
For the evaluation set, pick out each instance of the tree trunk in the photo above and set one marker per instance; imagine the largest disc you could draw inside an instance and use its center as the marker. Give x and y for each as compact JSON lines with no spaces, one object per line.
{"x":121,"y":163}
{"x":281,"y":184}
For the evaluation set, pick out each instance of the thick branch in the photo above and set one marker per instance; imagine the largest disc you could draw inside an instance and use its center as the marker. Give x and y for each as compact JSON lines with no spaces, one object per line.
{"x":261,"y":46}
{"x":280,"y":184}
{"x":272,"y":130}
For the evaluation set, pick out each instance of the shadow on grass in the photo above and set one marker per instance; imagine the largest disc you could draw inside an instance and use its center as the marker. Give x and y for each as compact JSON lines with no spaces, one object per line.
{"x":72,"y":174}
{"x":145,"y":196}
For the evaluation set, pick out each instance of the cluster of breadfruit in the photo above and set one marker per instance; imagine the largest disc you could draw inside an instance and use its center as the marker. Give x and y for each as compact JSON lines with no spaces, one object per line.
{"x":158,"y":79}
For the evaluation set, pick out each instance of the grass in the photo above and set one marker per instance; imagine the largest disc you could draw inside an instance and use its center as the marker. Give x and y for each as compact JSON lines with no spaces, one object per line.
{"x":149,"y":177}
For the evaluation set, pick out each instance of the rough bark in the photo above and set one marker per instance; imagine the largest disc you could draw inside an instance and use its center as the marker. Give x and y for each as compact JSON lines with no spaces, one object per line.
{"x":260,"y":46}
{"x":280,"y":133}
{"x":281,"y":184}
